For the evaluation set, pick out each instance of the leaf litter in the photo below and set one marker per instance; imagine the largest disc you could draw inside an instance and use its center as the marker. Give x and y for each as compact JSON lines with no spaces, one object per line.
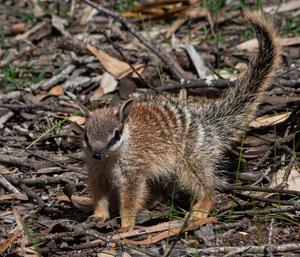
{"x":55,"y":65}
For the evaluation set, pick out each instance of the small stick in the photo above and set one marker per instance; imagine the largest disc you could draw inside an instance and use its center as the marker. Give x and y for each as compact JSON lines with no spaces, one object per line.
{"x":32,"y":195}
{"x":268,"y":211}
{"x":269,"y":247}
{"x":198,"y":83}
{"x":176,"y":74}
{"x":263,"y":189}
{"x":249,"y":249}
{"x":261,"y":199}
{"x":126,"y":60}
{"x":8,"y":185}
{"x":46,"y":85}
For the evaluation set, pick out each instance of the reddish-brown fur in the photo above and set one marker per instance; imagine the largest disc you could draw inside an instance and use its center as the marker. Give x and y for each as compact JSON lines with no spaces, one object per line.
{"x":155,"y":138}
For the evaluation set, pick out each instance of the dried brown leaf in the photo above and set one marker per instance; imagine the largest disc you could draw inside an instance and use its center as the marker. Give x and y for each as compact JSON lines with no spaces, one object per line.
{"x":269,"y":120}
{"x":79,"y":120}
{"x":111,"y":64}
{"x":107,"y":85}
{"x":4,"y":246}
{"x":4,"y":170}
{"x":107,"y":252}
{"x":18,"y":28}
{"x":293,"y":182}
{"x":56,"y":91}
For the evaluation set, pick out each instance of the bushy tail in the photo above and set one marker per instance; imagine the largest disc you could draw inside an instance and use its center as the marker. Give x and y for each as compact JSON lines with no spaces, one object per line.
{"x":242,"y":100}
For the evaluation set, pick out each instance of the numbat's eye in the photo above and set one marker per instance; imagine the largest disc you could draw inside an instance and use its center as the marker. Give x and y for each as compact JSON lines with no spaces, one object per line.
{"x":117,"y":136}
{"x":85,"y":141}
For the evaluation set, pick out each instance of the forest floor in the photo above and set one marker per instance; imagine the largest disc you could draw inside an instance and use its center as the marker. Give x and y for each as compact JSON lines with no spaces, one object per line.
{"x":59,"y":59}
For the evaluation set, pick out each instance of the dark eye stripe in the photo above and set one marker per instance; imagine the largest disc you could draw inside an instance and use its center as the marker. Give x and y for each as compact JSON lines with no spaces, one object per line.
{"x":116,"y":138}
{"x":86,"y":139}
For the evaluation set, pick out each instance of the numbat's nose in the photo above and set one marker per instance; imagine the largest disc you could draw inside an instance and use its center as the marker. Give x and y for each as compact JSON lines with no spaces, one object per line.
{"x":99,"y":155}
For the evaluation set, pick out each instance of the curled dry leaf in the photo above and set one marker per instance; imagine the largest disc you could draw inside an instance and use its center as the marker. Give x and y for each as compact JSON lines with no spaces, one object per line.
{"x":57,"y":91}
{"x":79,"y":120}
{"x":6,"y":244}
{"x":293,"y":182}
{"x":111,"y":64}
{"x":107,"y":85}
{"x":6,"y":114}
{"x":114,"y":66}
{"x":54,"y":91}
{"x":18,"y":28}
{"x":4,"y":170}
{"x":87,"y":14}
{"x":107,"y":252}
{"x":192,"y":13}
{"x":59,"y":24}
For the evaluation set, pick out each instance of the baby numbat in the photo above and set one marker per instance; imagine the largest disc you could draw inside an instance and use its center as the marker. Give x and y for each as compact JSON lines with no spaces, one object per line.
{"x":154,"y":138}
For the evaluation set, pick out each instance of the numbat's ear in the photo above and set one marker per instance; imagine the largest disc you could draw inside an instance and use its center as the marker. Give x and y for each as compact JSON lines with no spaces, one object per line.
{"x":125,"y":110}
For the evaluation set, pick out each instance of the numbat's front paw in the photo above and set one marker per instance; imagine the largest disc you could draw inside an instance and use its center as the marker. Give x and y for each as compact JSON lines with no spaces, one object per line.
{"x":127,"y":224}
{"x":126,"y":228}
{"x":100,"y":215}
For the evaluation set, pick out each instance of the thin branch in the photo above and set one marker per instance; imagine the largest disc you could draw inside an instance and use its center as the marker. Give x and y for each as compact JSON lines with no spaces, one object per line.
{"x":269,"y":248}
{"x":219,"y":84}
{"x":126,"y":60}
{"x":245,"y":249}
{"x":262,"y":189}
{"x":267,"y":211}
{"x":133,"y":31}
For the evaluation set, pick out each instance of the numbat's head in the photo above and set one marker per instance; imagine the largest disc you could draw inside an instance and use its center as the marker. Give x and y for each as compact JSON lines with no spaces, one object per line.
{"x":105,"y":131}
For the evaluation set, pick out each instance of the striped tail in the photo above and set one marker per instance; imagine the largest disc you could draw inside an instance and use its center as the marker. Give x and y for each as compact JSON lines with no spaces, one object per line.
{"x":246,"y":95}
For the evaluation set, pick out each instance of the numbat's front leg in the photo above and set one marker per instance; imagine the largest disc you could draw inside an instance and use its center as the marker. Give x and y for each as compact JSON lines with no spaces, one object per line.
{"x":100,"y":198}
{"x":133,"y":194}
{"x":101,"y":212}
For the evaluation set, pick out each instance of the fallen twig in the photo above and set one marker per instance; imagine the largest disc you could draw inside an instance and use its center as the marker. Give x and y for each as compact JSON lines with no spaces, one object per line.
{"x":282,"y":209}
{"x":171,"y":232}
{"x":246,"y":249}
{"x":220,"y":84}
{"x":46,"y":85}
{"x":262,"y":189}
{"x":39,"y":106}
{"x":126,"y":60}
{"x":132,"y":30}
{"x":269,"y":248}
{"x":32,"y":195}
{"x":8,"y":185}
{"x":261,"y":199}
